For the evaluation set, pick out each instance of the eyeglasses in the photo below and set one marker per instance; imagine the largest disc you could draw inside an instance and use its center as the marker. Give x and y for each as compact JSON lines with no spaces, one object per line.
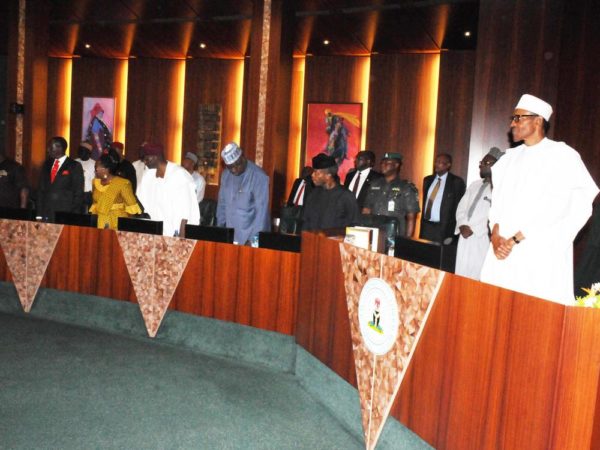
{"x":486,"y":163}
{"x":517,"y":117}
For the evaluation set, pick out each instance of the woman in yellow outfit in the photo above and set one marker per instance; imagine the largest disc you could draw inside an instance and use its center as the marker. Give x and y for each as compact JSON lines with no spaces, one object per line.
{"x":112,"y":195}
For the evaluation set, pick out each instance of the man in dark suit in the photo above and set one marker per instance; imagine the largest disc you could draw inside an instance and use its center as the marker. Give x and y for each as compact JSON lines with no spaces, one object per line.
{"x":301,"y":188}
{"x":441,"y":193}
{"x":358,"y":180}
{"x":61,"y":182}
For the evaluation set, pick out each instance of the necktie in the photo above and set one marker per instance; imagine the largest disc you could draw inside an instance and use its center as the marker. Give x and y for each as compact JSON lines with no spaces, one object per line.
{"x":298,"y":198}
{"x":476,"y":200}
{"x":356,"y":184}
{"x":54,"y":170}
{"x":431,"y":199}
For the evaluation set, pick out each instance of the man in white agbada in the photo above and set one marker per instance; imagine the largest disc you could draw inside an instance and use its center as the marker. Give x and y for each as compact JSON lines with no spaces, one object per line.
{"x":167,"y":193}
{"x":472,"y":219}
{"x":542,"y":196}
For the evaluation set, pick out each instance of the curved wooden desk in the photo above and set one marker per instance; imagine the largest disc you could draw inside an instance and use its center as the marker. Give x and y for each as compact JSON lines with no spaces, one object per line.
{"x":493,"y":369}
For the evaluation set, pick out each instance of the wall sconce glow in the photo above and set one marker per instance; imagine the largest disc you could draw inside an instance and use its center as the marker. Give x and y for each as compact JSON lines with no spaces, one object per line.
{"x":120,"y":89}
{"x":202,"y":45}
{"x":296,"y":113}
{"x":238,"y":100}
{"x":326,"y":42}
{"x":88,"y":46}
{"x":467,"y":34}
{"x":365,"y":76}
{"x":177,"y":130}
{"x":63,"y":98}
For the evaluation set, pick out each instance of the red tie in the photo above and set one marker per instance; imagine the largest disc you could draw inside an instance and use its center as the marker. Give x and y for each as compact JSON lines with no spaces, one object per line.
{"x":299,"y":194}
{"x":54,"y":170}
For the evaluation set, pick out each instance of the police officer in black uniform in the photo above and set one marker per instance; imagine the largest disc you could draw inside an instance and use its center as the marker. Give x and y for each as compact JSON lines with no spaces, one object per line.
{"x":391,"y":196}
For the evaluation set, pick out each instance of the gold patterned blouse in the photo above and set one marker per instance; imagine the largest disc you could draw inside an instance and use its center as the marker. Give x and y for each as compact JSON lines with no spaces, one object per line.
{"x":113,"y":200}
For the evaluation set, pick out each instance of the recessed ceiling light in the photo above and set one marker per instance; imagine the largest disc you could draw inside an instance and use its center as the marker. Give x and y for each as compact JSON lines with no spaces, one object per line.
{"x":467,"y":34}
{"x":202,"y":45}
{"x":87,"y":45}
{"x":326,"y":42}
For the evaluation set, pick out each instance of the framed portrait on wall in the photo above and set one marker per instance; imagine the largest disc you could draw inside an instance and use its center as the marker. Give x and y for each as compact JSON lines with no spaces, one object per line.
{"x":98,"y":123}
{"x":334,"y":129}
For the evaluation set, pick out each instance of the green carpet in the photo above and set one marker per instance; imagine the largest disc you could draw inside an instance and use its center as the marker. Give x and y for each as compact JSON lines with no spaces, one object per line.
{"x":68,"y":387}
{"x":80,"y":372}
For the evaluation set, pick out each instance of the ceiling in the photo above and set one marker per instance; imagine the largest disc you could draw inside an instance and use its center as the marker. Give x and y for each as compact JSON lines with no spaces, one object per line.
{"x":176,"y":28}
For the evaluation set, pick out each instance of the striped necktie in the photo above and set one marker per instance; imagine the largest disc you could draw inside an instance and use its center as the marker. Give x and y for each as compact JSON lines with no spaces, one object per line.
{"x":431,"y":199}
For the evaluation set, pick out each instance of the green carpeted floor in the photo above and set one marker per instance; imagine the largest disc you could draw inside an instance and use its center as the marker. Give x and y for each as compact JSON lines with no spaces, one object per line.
{"x":65,"y":387}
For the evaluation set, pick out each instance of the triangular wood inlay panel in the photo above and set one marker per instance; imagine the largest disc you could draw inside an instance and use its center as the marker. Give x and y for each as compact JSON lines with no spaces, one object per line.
{"x":379,"y":376}
{"x":28,"y":247}
{"x":155,"y":265}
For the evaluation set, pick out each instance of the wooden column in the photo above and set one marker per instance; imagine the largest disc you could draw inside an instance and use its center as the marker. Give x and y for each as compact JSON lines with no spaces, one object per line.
{"x":518,"y":52}
{"x":27,"y":82}
{"x":265,"y":121}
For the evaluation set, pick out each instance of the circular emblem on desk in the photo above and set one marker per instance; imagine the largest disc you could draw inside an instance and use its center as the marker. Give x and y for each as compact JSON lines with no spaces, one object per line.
{"x":378,"y":316}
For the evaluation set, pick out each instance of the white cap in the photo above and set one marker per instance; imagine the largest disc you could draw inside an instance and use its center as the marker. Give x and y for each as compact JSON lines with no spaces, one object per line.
{"x":535,"y":105}
{"x":231,"y":153}
{"x":192,"y":157}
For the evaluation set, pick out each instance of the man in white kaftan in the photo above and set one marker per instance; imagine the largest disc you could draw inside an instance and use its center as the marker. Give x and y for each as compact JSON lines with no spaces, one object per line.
{"x":542,"y":196}
{"x":472,"y":220}
{"x":167,"y":193}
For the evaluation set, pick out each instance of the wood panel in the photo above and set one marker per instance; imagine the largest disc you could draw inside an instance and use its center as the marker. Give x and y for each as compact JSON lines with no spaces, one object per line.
{"x":577,"y":106}
{"x":322,"y":325}
{"x":518,"y":52}
{"x":152,"y":103}
{"x":402,"y":111}
{"x":212,"y":81}
{"x":454,"y":107}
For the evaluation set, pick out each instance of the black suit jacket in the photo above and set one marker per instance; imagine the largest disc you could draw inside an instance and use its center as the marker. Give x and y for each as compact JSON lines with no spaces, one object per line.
{"x":453,"y":192}
{"x":307,"y":190}
{"x":362,"y":195}
{"x":65,"y":194}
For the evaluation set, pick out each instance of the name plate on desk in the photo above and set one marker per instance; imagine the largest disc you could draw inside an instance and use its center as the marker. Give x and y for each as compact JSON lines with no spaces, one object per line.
{"x":80,"y":220}
{"x":140,"y":225}
{"x":16,"y":213}
{"x":214,"y":234}
{"x":427,"y":253}
{"x":280,"y":241}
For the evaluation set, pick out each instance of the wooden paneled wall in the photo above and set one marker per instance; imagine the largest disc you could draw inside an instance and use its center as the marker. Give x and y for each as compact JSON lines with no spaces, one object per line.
{"x":518,"y":50}
{"x":212,"y":81}
{"x":577,"y":119}
{"x":401,"y":111}
{"x":152,"y":103}
{"x":455,"y":107}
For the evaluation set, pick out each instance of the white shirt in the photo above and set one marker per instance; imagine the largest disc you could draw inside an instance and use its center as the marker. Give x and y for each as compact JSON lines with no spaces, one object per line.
{"x":300,"y":193}
{"x":199,"y":185}
{"x":544,"y":191}
{"x":89,"y":173}
{"x":170,"y":199}
{"x":359,"y":179}
{"x":437,"y":202}
{"x":140,"y":170}
{"x":471,"y":251}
